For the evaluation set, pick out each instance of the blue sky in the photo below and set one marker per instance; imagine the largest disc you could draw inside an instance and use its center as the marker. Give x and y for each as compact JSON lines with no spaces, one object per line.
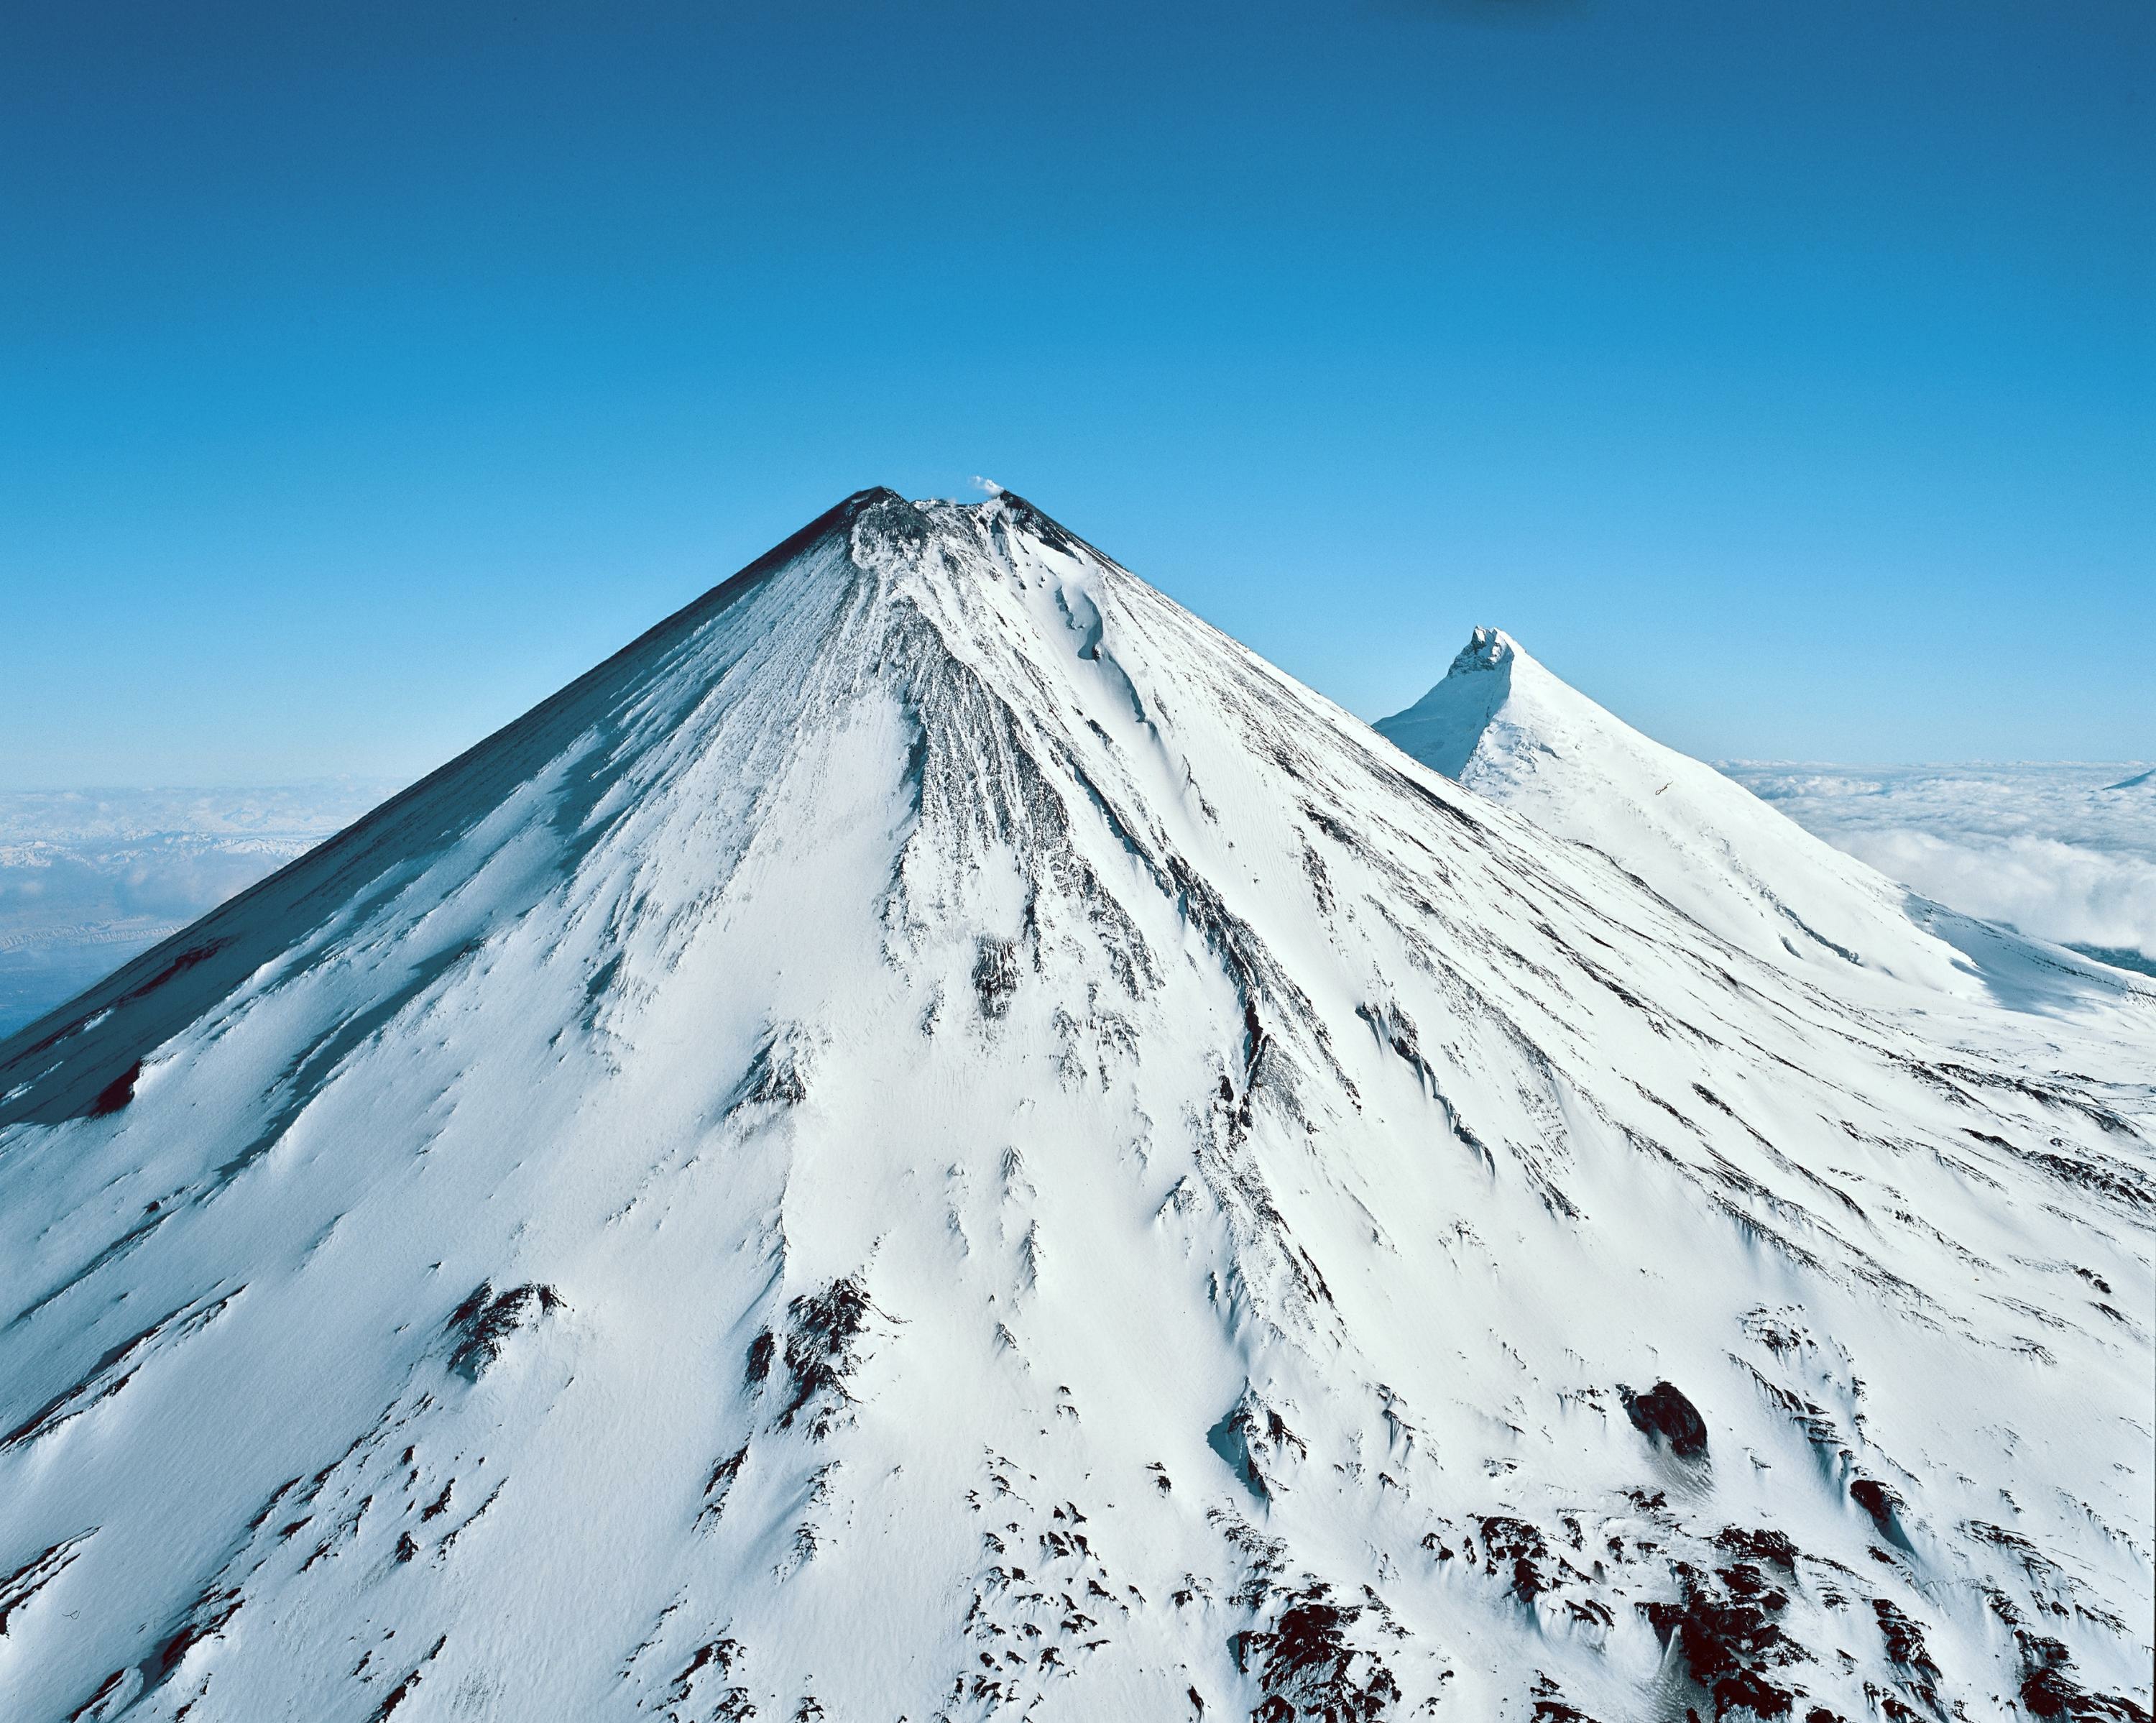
{"x":1780,"y":375}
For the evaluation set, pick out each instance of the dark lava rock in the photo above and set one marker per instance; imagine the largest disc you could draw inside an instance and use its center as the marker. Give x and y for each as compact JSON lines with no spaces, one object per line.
{"x":1728,"y":1637}
{"x":823,"y":1349}
{"x":1879,"y":1501}
{"x":1772,"y":1547}
{"x":2047,"y":1691}
{"x":1664,"y":1412}
{"x":118,"y":1093}
{"x":1519,"y":1547}
{"x":1308,"y":1668}
{"x":774,"y":1077}
{"x":1254,"y":1439}
{"x":1905,"y":1642}
{"x":995,"y":975}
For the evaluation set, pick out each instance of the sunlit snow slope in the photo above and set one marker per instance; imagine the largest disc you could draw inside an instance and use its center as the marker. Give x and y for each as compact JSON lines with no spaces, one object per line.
{"x":936,"y":1139}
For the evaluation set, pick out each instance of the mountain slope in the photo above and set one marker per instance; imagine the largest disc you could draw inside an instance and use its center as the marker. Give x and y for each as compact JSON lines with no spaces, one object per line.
{"x":936,"y":1138}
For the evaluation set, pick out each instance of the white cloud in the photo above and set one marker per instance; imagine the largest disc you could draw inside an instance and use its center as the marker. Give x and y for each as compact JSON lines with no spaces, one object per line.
{"x":2056,"y":891}
{"x":2064,"y":852}
{"x":88,"y":878}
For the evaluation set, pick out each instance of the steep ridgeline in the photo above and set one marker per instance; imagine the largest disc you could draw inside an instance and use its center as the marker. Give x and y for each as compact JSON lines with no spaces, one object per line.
{"x":1502,"y":724}
{"x":935,"y":1139}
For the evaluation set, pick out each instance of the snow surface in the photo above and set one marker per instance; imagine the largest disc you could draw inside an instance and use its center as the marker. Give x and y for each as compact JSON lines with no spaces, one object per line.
{"x":936,"y":1139}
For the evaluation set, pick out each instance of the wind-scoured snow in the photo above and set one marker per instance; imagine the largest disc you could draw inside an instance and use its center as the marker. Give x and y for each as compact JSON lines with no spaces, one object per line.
{"x":936,"y":1139}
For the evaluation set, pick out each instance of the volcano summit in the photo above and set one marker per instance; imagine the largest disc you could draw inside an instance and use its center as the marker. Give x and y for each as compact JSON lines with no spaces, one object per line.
{"x":936,"y":1139}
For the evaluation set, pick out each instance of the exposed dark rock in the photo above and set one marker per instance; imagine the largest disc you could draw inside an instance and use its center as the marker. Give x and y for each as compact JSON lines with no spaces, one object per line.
{"x":775,"y":1077}
{"x":1551,"y":1705}
{"x":720,"y":1483}
{"x":402,"y":1690}
{"x":205,"y":1621}
{"x":482,"y":1324}
{"x":34,"y":1576}
{"x":1893,"y":1708}
{"x":1729,"y":1639}
{"x":1663,"y":1412}
{"x":178,"y":966}
{"x":2048,"y":1691}
{"x":1772,"y":1547}
{"x":822,"y":1338}
{"x":94,"y":1708}
{"x":118,"y":1093}
{"x":1306,"y":1667}
{"x":1521,"y":1549}
{"x":1255,"y":1440}
{"x":995,"y":975}
{"x":1904,"y":1640}
{"x":117,"y":1368}
{"x":1395,"y":1029}
{"x":712,"y":1663}
{"x":1881,"y":1502}
{"x":2112,"y":1180}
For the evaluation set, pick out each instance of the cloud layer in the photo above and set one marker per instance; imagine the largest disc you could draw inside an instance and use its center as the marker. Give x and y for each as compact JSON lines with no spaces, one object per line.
{"x":2064,"y":852}
{"x":88,"y":878}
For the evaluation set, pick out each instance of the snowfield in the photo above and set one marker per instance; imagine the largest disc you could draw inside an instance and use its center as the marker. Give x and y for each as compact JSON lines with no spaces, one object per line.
{"x":936,"y":1139}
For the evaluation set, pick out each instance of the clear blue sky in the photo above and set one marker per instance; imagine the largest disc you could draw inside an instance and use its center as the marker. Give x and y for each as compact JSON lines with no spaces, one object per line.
{"x":1780,"y":374}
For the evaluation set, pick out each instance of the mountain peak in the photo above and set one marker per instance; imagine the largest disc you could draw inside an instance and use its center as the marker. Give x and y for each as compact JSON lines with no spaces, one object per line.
{"x":1444,"y":728}
{"x":1503,"y":725}
{"x":1487,"y":649}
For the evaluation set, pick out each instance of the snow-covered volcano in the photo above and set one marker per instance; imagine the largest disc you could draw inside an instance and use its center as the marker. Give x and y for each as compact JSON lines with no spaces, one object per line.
{"x":935,"y":1139}
{"x":1501,"y":723}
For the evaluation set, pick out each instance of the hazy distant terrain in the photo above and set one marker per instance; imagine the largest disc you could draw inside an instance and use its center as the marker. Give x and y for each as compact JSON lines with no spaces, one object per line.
{"x":2067,"y":852}
{"x":88,"y":877}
